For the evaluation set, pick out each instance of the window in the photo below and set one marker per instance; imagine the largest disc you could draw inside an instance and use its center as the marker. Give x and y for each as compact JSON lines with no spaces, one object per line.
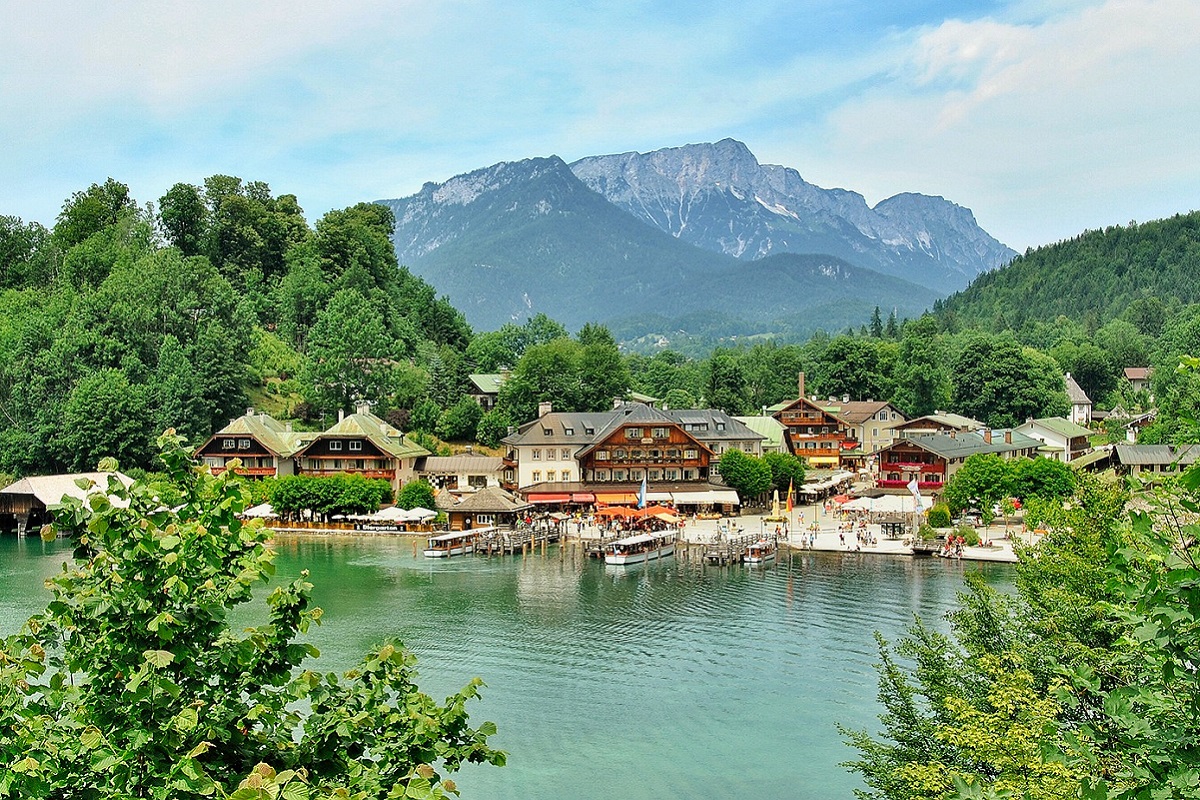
{"x":569,"y":431}
{"x":633,"y":433}
{"x":689,"y":474}
{"x":654,"y":474}
{"x":602,"y":474}
{"x":618,"y":474}
{"x":656,"y":453}
{"x":243,"y":444}
{"x":477,"y":481}
{"x":566,"y":454}
{"x":536,"y":454}
{"x":635,"y":454}
{"x":620,"y":453}
{"x":335,"y":444}
{"x":659,"y":433}
{"x":635,"y":474}
{"x":485,"y":519}
{"x":672,"y":475}
{"x":672,"y":453}
{"x":720,"y":426}
{"x":602,"y":455}
{"x":874,"y":432}
{"x":589,"y":431}
{"x":547,"y":431}
{"x":354,"y":445}
{"x":337,"y":463}
{"x":228,"y":444}
{"x":566,"y":476}
{"x":691,"y":454}
{"x":550,"y":474}
{"x":537,"y":476}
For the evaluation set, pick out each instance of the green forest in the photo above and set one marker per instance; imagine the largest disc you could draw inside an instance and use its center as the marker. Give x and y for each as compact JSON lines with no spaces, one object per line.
{"x":126,"y":318}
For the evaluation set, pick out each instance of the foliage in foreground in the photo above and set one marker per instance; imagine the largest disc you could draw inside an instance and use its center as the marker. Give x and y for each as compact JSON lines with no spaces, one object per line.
{"x":1083,"y":685}
{"x":133,"y":684}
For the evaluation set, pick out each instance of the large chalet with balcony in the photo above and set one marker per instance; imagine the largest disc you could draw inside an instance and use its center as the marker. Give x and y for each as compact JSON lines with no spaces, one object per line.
{"x":814,"y":434}
{"x":363,"y":444}
{"x":263,"y":445}
{"x":602,"y":457}
{"x":934,"y":458}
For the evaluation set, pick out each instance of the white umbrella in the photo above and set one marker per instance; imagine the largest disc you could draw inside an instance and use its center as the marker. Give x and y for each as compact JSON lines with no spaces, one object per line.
{"x":419,"y":514}
{"x":262,"y":511}
{"x":390,"y":514}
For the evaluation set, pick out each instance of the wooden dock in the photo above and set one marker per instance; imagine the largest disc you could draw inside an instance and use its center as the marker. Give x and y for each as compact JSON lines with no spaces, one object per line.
{"x":731,"y":551}
{"x":516,"y":540}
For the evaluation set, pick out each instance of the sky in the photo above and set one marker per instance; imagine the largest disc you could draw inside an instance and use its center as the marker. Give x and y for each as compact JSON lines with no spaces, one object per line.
{"x":1045,"y":117}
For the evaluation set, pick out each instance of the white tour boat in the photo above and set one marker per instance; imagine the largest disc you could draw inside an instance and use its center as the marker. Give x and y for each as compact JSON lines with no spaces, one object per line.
{"x":455,"y":543}
{"x":639,"y":548}
{"x":760,"y":552}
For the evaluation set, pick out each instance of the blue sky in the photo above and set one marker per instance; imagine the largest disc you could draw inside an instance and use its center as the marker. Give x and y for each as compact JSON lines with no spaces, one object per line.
{"x":1046,"y":117}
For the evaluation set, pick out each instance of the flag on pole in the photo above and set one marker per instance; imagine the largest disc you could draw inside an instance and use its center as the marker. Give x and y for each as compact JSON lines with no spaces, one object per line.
{"x":642,"y":493}
{"x":915,"y":489}
{"x":789,"y":497}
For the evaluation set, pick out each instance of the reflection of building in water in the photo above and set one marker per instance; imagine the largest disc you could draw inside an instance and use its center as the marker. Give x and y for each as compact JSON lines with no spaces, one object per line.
{"x":548,"y":588}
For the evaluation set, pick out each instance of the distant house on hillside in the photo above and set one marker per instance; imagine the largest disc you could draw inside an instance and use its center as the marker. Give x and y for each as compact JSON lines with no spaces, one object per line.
{"x":1081,"y":405}
{"x":937,"y":422}
{"x":1062,"y":439}
{"x":485,"y":388}
{"x":1139,"y":378}
{"x":1152,"y":460}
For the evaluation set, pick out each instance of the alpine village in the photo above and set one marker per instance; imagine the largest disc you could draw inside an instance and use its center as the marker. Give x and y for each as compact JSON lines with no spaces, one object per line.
{"x":400,"y":371}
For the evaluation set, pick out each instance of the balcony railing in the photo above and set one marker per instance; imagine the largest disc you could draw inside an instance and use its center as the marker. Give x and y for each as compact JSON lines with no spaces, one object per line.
{"x":386,"y":474}
{"x":254,"y":472}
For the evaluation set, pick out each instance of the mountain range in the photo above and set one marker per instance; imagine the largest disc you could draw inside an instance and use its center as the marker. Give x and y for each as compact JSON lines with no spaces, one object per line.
{"x":665,"y":243}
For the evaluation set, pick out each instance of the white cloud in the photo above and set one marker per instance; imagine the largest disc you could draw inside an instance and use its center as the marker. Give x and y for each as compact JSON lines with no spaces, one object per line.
{"x":1082,"y":120}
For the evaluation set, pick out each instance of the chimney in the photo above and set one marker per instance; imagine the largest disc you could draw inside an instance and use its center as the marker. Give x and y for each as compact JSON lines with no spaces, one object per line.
{"x":544,"y":408}
{"x":845,"y":398}
{"x":341,"y":414}
{"x":250,"y":411}
{"x":801,"y":383}
{"x":616,"y":403}
{"x":987,"y":435}
{"x":1008,"y":437}
{"x":287,"y":426}
{"x":363,"y":407}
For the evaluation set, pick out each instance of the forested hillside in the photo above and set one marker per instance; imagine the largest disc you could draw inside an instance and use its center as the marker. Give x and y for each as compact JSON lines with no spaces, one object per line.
{"x":1092,"y":278}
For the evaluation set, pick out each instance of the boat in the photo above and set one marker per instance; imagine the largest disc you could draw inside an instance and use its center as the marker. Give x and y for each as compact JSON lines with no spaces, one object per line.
{"x":760,"y":552}
{"x":455,"y":543}
{"x":639,"y":548}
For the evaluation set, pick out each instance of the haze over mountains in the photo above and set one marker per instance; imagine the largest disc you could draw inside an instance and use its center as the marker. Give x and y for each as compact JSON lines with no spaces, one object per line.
{"x":680,"y":241}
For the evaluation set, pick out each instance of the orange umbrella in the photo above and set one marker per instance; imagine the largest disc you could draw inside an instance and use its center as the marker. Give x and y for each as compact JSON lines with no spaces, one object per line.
{"x":615,"y":511}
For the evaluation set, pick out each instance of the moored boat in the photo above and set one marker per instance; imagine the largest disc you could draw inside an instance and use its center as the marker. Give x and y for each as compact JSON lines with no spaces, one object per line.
{"x":455,"y":543}
{"x":760,"y":552}
{"x":639,"y":548}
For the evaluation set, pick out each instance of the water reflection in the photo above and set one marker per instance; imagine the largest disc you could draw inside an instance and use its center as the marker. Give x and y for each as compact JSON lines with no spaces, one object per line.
{"x":667,"y":679}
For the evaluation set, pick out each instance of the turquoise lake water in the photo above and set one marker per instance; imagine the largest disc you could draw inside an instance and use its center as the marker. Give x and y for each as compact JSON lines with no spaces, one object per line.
{"x":667,"y":680}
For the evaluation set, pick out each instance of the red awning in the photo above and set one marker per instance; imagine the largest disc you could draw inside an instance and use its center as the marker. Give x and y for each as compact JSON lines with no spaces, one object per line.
{"x":547,"y":497}
{"x":583,"y":497}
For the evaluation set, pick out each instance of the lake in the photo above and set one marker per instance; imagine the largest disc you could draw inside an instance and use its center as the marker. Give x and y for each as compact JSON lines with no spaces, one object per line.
{"x":667,"y":680}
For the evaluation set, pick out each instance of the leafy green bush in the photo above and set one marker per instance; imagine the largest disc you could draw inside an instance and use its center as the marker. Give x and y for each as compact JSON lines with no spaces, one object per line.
{"x":133,"y":682}
{"x":969,"y":535}
{"x":939,"y":516}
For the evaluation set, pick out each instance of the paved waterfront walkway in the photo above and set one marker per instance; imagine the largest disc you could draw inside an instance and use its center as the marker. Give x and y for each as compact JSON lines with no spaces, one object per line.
{"x":827,"y":536}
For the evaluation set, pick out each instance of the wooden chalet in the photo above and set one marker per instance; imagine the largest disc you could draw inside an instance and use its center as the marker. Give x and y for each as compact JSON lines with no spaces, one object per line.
{"x":263,"y":445}
{"x":644,"y":441}
{"x":814,"y":434}
{"x":363,"y":444}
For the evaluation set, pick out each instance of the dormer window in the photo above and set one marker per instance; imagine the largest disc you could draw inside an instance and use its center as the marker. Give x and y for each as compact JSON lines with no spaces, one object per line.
{"x":633,"y":433}
{"x":569,"y":431}
{"x":590,"y":431}
{"x":354,"y":446}
{"x":547,"y":431}
{"x":720,"y":426}
{"x":335,"y":444}
{"x":228,"y":444}
{"x":243,"y":444}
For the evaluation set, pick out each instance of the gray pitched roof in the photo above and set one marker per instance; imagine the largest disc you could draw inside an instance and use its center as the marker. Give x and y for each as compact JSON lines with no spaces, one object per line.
{"x":487,"y":382}
{"x":1075,"y":392}
{"x":492,"y":500}
{"x":463,"y":464}
{"x":1063,"y":427}
{"x":1155,"y":454}
{"x":968,"y":443}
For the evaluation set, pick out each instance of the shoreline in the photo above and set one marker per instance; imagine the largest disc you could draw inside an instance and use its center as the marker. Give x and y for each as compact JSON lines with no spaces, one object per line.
{"x":704,"y":531}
